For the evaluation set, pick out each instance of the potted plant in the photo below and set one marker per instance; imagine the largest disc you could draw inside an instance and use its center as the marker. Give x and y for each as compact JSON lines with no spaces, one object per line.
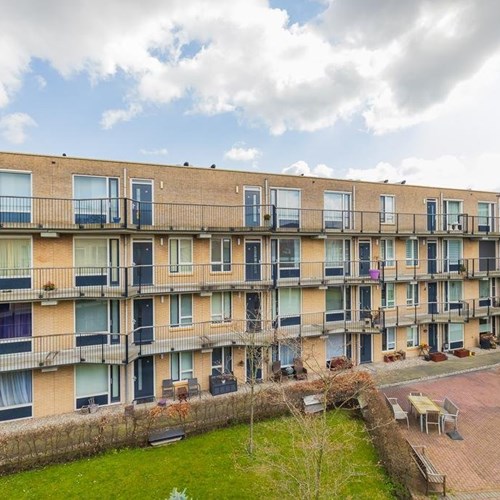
{"x":267,"y":217}
{"x":49,"y":286}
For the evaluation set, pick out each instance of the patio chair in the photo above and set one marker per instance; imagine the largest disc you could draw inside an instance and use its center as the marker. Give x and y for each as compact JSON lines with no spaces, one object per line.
{"x":276,"y":371}
{"x":194,"y":387}
{"x":398,"y":412}
{"x":449,"y":413}
{"x":432,"y":417}
{"x":167,"y":389}
{"x":300,"y":371}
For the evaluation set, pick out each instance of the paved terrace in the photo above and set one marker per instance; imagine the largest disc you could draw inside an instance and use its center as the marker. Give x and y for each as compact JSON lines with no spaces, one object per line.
{"x":472,"y":466}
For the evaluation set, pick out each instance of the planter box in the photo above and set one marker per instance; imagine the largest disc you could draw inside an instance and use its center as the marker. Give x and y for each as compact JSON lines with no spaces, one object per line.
{"x":438,"y":356}
{"x":222,"y":385}
{"x":461,"y":353}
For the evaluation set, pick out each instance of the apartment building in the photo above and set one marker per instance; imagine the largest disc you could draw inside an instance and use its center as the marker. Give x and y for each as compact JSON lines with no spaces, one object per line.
{"x":115,"y":275}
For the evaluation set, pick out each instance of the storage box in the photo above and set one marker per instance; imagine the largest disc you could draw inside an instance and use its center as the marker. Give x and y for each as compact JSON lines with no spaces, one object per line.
{"x":461,"y":353}
{"x":438,"y":356}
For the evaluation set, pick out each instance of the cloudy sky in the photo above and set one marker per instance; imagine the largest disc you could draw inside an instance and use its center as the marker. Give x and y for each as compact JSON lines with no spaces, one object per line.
{"x":361,"y":89}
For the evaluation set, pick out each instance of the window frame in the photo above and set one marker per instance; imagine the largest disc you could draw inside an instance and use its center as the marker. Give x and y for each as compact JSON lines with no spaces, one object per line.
{"x":226,"y":300}
{"x":180,"y":373}
{"x":180,"y":297}
{"x":332,"y":220}
{"x":412,"y":295}
{"x":180,"y":267}
{"x":411,"y":252}
{"x":412,"y":336}
{"x":387,"y":344}
{"x":386,"y":303}
{"x":387,"y":212}
{"x":222,"y":265}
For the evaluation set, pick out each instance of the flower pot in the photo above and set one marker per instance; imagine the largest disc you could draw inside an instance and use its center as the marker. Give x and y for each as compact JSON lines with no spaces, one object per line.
{"x":374,"y":274}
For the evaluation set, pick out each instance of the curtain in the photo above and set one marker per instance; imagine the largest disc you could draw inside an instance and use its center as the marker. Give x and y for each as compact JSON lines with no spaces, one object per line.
{"x":91,"y":380}
{"x":334,"y":299}
{"x":91,"y":316}
{"x":221,"y":306}
{"x":12,"y":185}
{"x":15,"y":388}
{"x":15,"y":257}
{"x":289,"y":252}
{"x":334,"y":253}
{"x":91,"y":254}
{"x":287,"y":354}
{"x":87,"y":187}
{"x":289,"y":302}
{"x":335,"y":345}
{"x":15,"y":320}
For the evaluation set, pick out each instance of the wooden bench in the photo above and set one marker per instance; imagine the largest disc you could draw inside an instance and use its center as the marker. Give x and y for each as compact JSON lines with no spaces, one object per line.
{"x":427,"y":468}
{"x":166,"y":437}
{"x":397,"y":412}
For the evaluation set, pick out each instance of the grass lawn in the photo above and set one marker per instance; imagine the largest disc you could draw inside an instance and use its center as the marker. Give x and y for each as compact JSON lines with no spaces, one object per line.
{"x":213,"y":465}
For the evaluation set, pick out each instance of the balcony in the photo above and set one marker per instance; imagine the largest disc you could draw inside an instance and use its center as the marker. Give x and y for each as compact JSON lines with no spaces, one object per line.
{"x":426,"y":312}
{"x":124,"y":214}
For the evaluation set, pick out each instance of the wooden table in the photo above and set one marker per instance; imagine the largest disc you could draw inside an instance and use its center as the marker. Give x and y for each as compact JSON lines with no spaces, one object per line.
{"x":422,"y":405}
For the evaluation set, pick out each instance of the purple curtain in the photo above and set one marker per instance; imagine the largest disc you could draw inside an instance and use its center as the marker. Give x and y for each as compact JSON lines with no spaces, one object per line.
{"x":15,"y":320}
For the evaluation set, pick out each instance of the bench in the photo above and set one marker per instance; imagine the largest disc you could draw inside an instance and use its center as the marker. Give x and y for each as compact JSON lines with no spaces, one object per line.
{"x":427,"y":468}
{"x":397,"y":412}
{"x":166,"y":437}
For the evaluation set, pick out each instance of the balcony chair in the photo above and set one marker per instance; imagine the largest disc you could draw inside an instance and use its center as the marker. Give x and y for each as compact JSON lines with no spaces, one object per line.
{"x":194,"y":388}
{"x":300,"y":371}
{"x":432,"y":417}
{"x":276,"y":371}
{"x":167,"y":389}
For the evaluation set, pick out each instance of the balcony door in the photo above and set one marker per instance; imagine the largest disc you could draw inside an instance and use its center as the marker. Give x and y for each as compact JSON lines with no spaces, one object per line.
{"x":364,"y":258}
{"x":252,"y":260}
{"x":142,"y":207}
{"x":143,"y":321}
{"x":252,"y":207}
{"x":142,"y":254}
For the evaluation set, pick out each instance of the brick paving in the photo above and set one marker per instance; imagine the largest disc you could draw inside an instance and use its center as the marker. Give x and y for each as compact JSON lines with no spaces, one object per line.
{"x":472,"y":466}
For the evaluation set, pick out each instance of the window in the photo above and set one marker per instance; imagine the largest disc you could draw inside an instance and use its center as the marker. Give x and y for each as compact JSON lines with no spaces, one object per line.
{"x":287,"y":203}
{"x":455,"y":337}
{"x":287,"y":306}
{"x":484,"y":293}
{"x":453,"y":255}
{"x":181,"y":255}
{"x":15,"y":321}
{"x":221,"y":254}
{"x":96,"y":199}
{"x":221,"y":307}
{"x":388,"y":295}
{"x":335,"y":299}
{"x":15,"y":263}
{"x":451,"y":211}
{"x":181,"y":310}
{"x":337,"y":210}
{"x":389,"y":339}
{"x":97,"y":261}
{"x":485,"y":325}
{"x":181,"y":365}
{"x":387,"y":209}
{"x":387,"y":251}
{"x":286,"y":353}
{"x":412,"y":294}
{"x":15,"y":197}
{"x":337,"y":257}
{"x":222,"y":360}
{"x":99,"y":317}
{"x":91,"y":381}
{"x":286,"y":253}
{"x":15,"y":390}
{"x":453,"y":294}
{"x":412,"y":252}
{"x":485,"y":216}
{"x":412,"y":336}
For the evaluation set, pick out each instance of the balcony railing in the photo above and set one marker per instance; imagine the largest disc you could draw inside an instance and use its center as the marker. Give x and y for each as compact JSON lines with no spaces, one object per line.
{"x":426,"y":312}
{"x":123,"y":213}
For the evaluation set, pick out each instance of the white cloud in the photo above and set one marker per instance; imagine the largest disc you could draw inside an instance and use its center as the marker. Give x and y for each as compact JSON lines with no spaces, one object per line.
{"x":237,"y":153}
{"x":394,"y":63}
{"x":155,"y":152}
{"x":445,"y":171}
{"x":302,"y":168}
{"x":113,"y":116}
{"x":41,"y":81}
{"x":12,"y":127}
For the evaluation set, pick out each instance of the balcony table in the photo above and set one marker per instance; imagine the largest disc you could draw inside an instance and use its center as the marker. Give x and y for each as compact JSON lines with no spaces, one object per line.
{"x":422,"y":404}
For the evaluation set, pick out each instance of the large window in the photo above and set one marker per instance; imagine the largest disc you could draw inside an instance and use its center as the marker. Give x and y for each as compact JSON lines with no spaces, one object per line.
{"x":337,"y":303}
{"x":96,"y":199}
{"x":412,"y":252}
{"x":286,"y":253}
{"x":94,"y":319}
{"x":181,"y":310}
{"x":337,"y":257}
{"x":287,"y":306}
{"x":221,"y":307}
{"x":15,"y":197}
{"x":412,"y":294}
{"x":337,"y":210}
{"x":286,"y":353}
{"x":221,"y":254}
{"x":412,"y":336}
{"x":181,"y":255}
{"x":97,"y":261}
{"x":16,"y":394}
{"x":453,"y":255}
{"x":15,"y":323}
{"x":454,"y":294}
{"x":485,"y":293}
{"x":287,"y":203}
{"x":388,"y":295}
{"x":222,"y":360}
{"x":181,"y":365}
{"x":15,"y":263}
{"x":389,"y":339}
{"x":387,"y":251}
{"x":455,"y":336}
{"x":99,"y":382}
{"x":452,"y":210}
{"x":485,"y":216}
{"x":387,"y":209}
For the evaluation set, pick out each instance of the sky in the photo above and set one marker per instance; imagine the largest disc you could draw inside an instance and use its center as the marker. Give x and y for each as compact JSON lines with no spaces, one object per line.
{"x":358,"y":89}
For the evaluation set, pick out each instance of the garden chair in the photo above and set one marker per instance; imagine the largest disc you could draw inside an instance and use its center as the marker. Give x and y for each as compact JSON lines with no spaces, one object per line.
{"x":449,"y":412}
{"x":300,"y":371}
{"x":167,"y":389}
{"x":432,"y":417}
{"x":193,"y":387}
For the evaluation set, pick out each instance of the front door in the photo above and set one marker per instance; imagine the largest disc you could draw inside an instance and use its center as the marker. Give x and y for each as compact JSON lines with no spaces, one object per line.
{"x":365,"y":348}
{"x":252,"y":207}
{"x":142,"y":208}
{"x":252,"y":261}
{"x":144,"y":378}
{"x":253,"y":312}
{"x":365,"y":301}
{"x":431,"y":257}
{"x":143,"y":321}
{"x":142,"y":254}
{"x":364,"y":258}
{"x":432,"y":298}
{"x":431,"y":215}
{"x":433,"y":337}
